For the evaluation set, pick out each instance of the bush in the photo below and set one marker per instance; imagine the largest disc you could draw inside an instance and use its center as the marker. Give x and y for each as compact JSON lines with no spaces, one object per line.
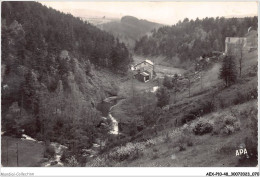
{"x":155,"y":150}
{"x":49,"y":151}
{"x":207,"y":107}
{"x":155,"y":156}
{"x":189,"y":143}
{"x":167,"y":138}
{"x":228,"y":129}
{"x":72,"y":162}
{"x":237,"y":126}
{"x":130,"y":151}
{"x":65,"y":155}
{"x":167,"y":82}
{"x":188,"y":117}
{"x":227,"y":124}
{"x":182,"y":141}
{"x":203,"y":108}
{"x":163,"y":97}
{"x":182,"y":147}
{"x":244,"y":97}
{"x":202,"y":127}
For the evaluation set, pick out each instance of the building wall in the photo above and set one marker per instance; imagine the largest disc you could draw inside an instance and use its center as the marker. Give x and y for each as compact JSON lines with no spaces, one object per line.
{"x":139,"y":77}
{"x":145,"y":67}
{"x":233,"y":44}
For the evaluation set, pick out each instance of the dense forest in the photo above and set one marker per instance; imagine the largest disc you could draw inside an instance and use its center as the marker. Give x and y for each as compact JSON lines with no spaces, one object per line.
{"x":189,"y":39}
{"x":48,"y":89}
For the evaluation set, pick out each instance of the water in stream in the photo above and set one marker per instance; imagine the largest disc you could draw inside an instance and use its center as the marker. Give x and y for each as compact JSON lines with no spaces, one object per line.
{"x":105,"y":107}
{"x":114,"y":125}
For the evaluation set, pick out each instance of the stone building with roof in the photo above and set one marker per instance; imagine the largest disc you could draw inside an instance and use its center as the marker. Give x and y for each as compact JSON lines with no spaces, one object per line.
{"x":144,"y":71}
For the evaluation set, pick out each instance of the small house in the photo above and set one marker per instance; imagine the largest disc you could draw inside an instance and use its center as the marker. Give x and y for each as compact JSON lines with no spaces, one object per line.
{"x":144,"y":70}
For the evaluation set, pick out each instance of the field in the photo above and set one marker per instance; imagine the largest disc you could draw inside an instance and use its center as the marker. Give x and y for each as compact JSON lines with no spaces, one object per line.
{"x":30,"y":153}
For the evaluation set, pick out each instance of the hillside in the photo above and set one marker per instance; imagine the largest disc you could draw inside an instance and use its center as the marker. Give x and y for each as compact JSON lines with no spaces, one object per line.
{"x":55,"y":70}
{"x":203,"y":128}
{"x":190,"y":39}
{"x":129,"y":29}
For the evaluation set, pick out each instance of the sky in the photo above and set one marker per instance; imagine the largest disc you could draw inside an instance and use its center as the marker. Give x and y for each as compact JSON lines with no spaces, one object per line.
{"x":161,"y":12}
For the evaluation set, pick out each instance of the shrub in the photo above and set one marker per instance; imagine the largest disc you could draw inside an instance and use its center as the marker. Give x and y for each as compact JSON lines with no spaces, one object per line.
{"x":188,"y":117}
{"x":229,"y":120}
{"x":202,"y":127}
{"x":228,"y":129}
{"x":151,"y":115}
{"x":189,"y":143}
{"x":183,"y":140}
{"x":65,"y":155}
{"x":226,"y":124}
{"x":201,"y":109}
{"x":252,"y":94}
{"x":49,"y":151}
{"x":237,"y":126}
{"x":207,"y":107}
{"x":182,"y":147}
{"x":150,"y":143}
{"x":155,"y":156}
{"x":155,"y":150}
{"x":129,"y":151}
{"x":244,"y":97}
{"x":72,"y":162}
{"x":167,"y":138}
{"x":163,"y":97}
{"x":167,"y":82}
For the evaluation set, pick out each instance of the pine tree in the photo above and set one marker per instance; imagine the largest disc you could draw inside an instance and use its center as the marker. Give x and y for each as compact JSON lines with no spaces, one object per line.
{"x":163,"y":97}
{"x":228,"y":70}
{"x":167,"y":82}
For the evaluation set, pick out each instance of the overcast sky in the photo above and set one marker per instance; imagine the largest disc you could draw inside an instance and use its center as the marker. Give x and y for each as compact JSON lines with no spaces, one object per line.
{"x":161,"y":12}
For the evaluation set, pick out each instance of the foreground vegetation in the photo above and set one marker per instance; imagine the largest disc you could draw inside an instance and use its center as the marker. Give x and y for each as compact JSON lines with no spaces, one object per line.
{"x":51,"y":67}
{"x":209,"y":124}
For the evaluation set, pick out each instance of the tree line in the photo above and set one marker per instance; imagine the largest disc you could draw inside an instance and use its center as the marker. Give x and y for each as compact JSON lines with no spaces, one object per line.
{"x":45,"y":32}
{"x":189,"y":39}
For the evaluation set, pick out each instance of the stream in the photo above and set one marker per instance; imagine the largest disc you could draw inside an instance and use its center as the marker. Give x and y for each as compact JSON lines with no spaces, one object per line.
{"x":105,"y":107}
{"x":114,"y":125}
{"x":55,"y":161}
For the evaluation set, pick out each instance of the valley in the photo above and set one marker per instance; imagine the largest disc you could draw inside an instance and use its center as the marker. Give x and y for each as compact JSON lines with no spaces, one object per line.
{"x":105,"y":92}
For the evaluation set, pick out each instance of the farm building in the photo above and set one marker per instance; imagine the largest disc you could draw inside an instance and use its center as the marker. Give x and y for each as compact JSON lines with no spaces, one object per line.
{"x":144,"y":70}
{"x":234,"y":44}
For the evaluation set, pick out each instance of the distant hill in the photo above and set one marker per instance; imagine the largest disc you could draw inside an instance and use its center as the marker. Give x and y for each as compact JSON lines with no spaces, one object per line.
{"x":97,"y":21}
{"x":129,"y":29}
